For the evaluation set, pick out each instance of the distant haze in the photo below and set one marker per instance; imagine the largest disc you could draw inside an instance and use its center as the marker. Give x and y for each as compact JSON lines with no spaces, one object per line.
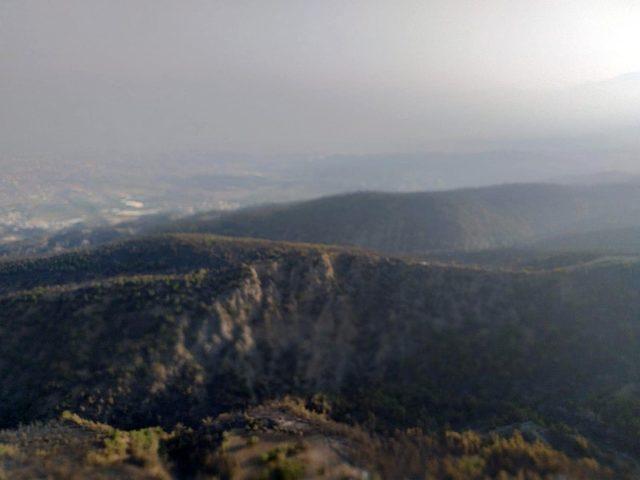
{"x":279,"y":77}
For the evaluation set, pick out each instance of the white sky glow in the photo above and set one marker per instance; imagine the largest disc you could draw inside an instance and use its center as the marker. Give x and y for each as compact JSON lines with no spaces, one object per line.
{"x":312,"y":76}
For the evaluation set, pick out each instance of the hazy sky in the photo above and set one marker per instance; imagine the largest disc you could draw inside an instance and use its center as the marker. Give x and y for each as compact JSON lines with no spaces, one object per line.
{"x":151,"y":76}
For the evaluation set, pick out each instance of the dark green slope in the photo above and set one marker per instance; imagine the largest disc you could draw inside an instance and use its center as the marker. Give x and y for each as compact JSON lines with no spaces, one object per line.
{"x":159,"y":254}
{"x":534,"y":216}
{"x":411,"y":223}
{"x":616,"y":240}
{"x":215,"y":324}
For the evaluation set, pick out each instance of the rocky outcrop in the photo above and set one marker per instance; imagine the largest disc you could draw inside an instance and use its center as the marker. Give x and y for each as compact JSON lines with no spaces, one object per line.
{"x":415,"y":343}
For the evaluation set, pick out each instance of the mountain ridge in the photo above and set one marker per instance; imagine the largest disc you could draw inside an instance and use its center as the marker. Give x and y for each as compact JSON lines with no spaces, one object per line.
{"x":307,"y":306}
{"x":178,"y":329}
{"x":421,"y":222}
{"x":397,"y":223}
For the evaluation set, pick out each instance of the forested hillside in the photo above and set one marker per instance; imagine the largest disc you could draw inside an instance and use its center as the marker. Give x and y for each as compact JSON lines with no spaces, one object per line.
{"x":534,"y":217}
{"x":413,"y":223}
{"x":176,"y":328}
{"x":613,"y":240}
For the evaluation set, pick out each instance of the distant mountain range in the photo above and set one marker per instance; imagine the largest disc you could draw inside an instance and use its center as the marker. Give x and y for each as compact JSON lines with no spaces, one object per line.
{"x":59,"y":194}
{"x":534,"y":216}
{"x":415,"y":223}
{"x":600,"y":178}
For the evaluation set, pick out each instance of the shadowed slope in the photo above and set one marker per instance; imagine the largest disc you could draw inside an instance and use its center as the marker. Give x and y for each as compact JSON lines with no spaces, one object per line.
{"x":234,"y":322}
{"x":412,"y":223}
